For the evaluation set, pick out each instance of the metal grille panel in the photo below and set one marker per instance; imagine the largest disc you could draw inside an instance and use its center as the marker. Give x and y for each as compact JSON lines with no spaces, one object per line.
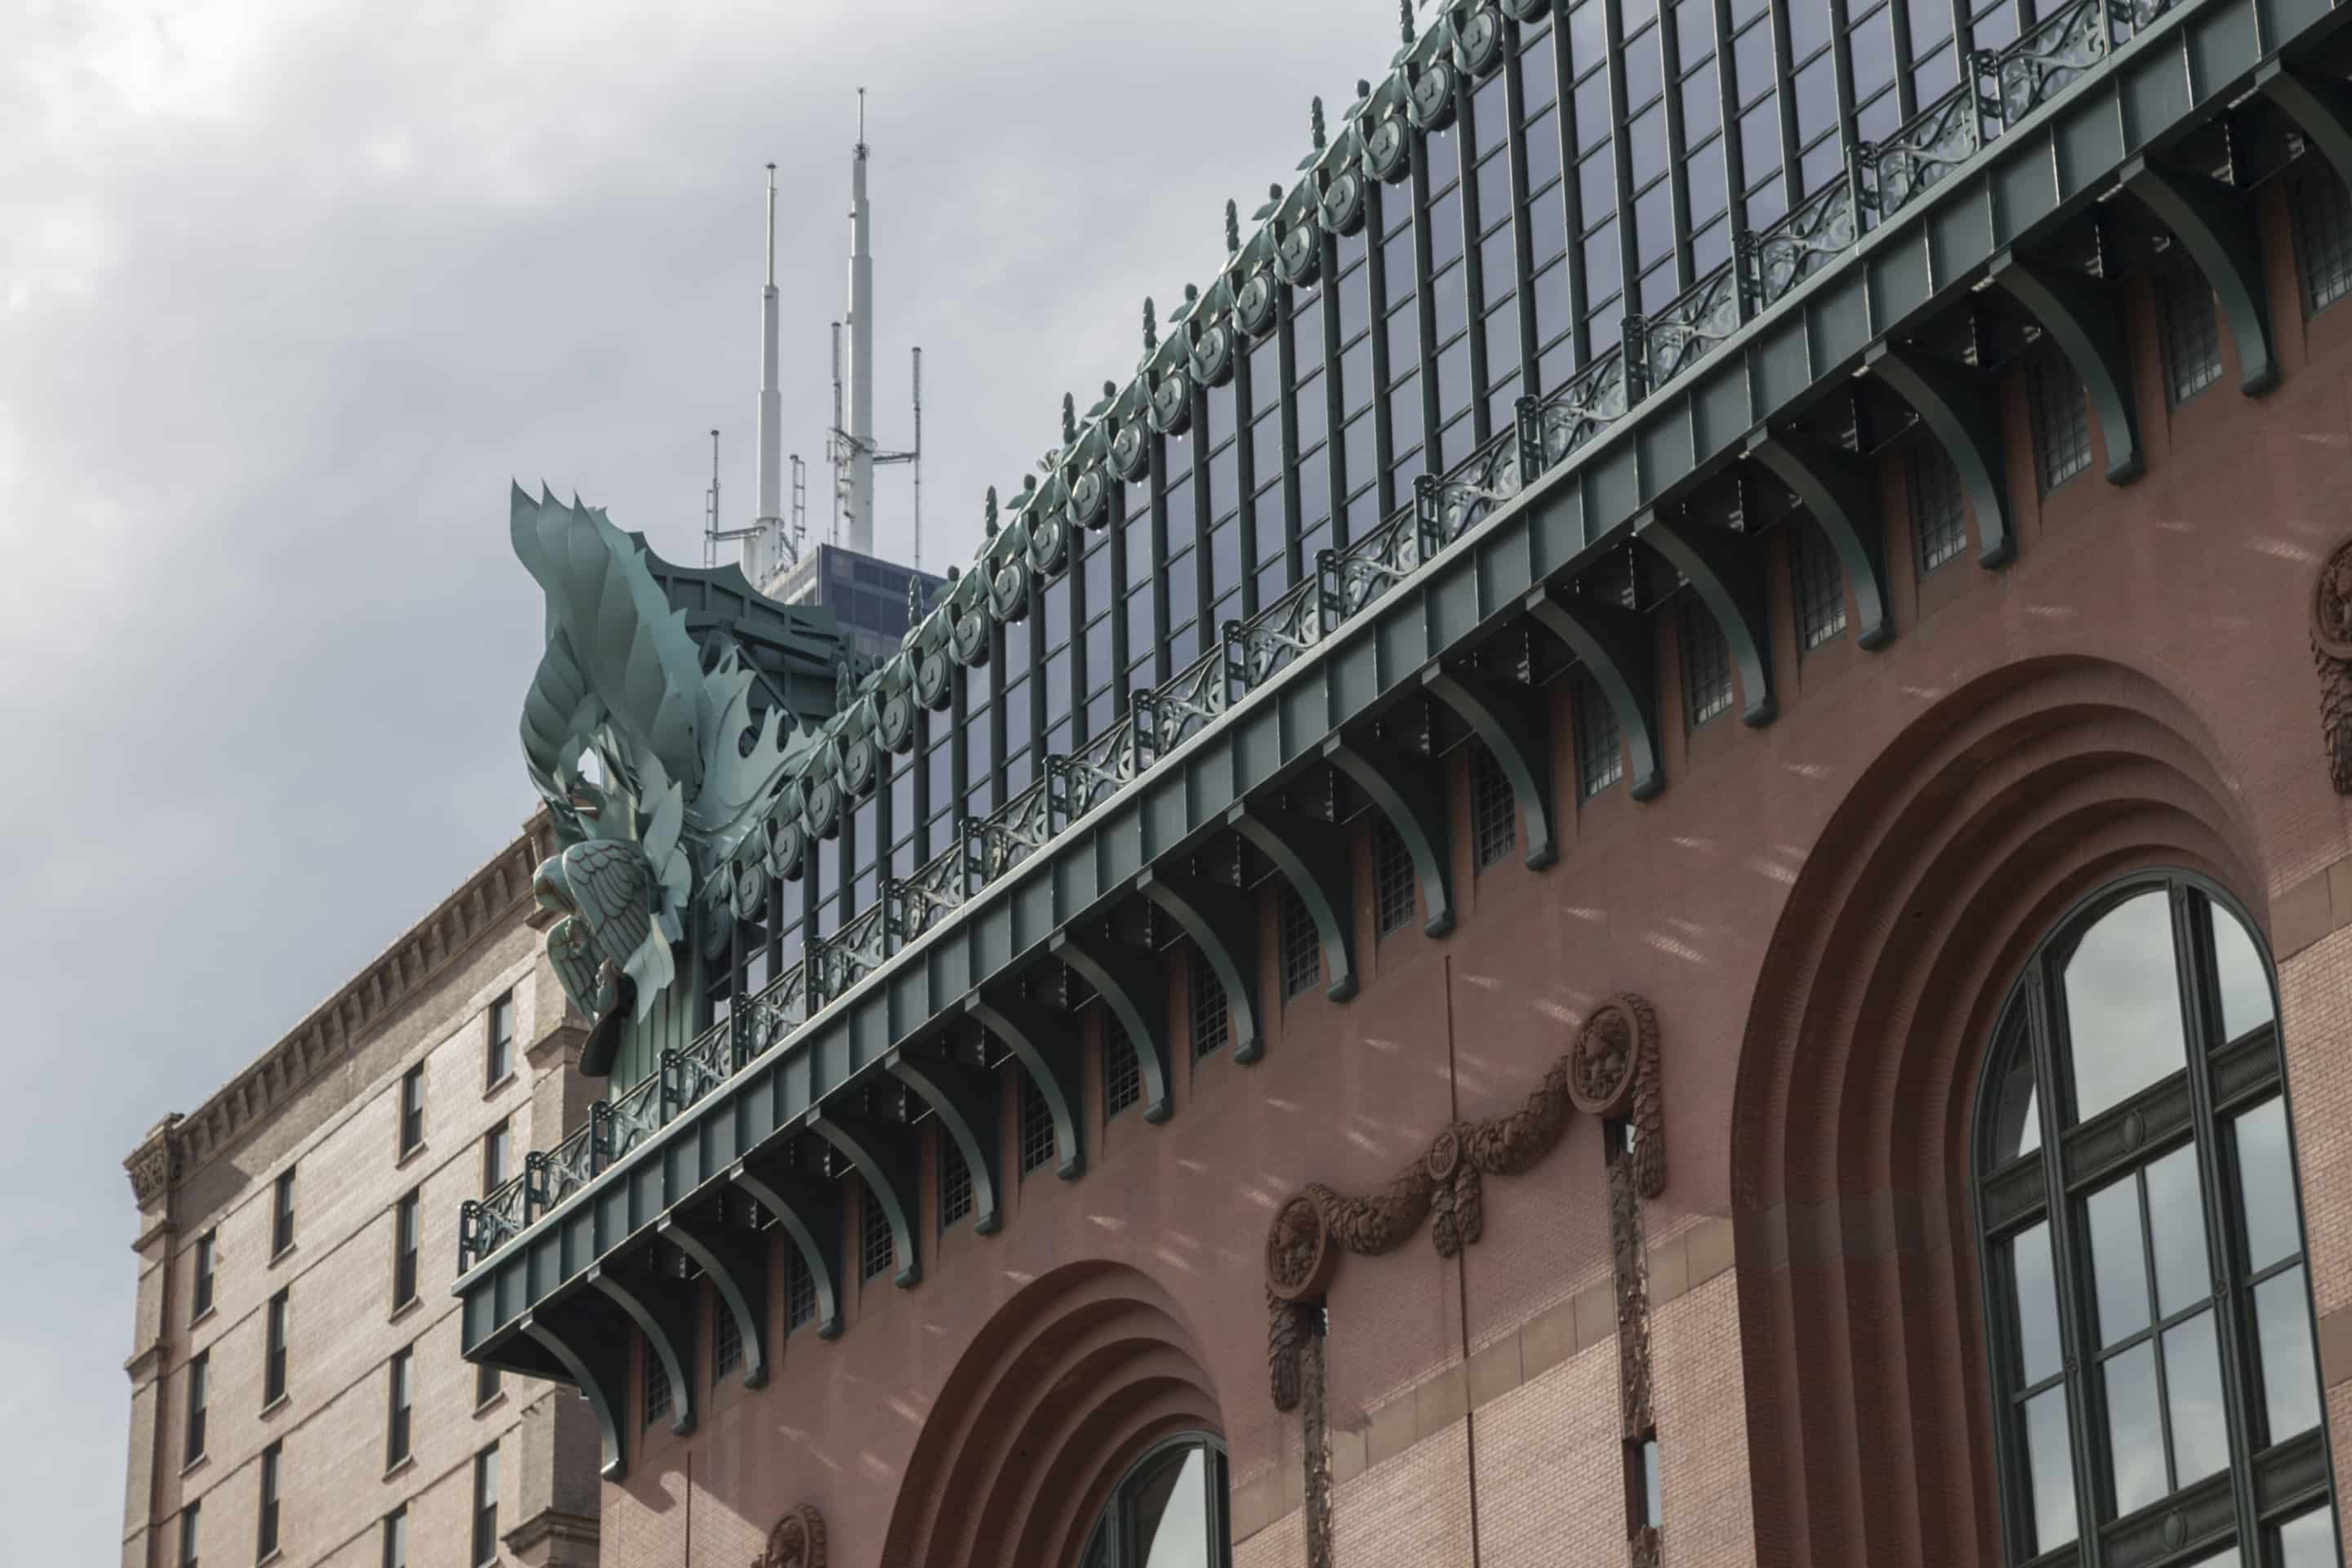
{"x":1819,"y":581}
{"x":658,"y":1389}
{"x":1392,"y":891}
{"x":2062,"y":422}
{"x":875,"y":1251}
{"x":2192,"y":339}
{"x":1210,"y":1011}
{"x":726,"y":1342}
{"x":1494,"y":821}
{"x":1600,"y":751}
{"x":1940,"y":524}
{"x":1036,"y":1124}
{"x":800,"y":1289}
{"x":1707,"y":666}
{"x":955,"y":1182}
{"x":2323,"y":228}
{"x":1123,"y":1074}
{"x":1301,"y":958}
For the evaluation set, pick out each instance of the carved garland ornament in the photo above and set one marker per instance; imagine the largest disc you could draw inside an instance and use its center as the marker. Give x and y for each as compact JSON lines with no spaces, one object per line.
{"x":2331,"y":652}
{"x":797,"y":1541}
{"x":1611,"y":1071}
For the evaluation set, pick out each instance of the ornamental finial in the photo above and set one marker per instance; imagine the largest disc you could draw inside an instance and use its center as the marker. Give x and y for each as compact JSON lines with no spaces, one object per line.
{"x":1069,"y":418}
{"x":1363,"y":90}
{"x":1315,"y":122}
{"x":842,"y":687}
{"x":1150,"y":326}
{"x":1404,"y":18}
{"x":1232,"y":227}
{"x":1111,"y":389}
{"x":1191,"y":293}
{"x":991,"y":521}
{"x":914,"y":598}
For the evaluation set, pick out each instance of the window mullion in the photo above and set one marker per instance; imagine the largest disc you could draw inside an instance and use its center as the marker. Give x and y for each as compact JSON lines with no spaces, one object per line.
{"x":2157,"y":1325}
{"x":2048,"y":1040}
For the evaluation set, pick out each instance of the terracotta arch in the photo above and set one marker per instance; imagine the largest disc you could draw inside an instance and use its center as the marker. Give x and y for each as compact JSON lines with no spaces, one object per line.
{"x":1868,"y":1420}
{"x":1073,"y":1378}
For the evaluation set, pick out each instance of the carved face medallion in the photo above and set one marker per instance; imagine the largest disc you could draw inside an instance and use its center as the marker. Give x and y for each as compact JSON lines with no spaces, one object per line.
{"x":1299,"y":1252}
{"x":1600,"y":1069}
{"x":2331,"y":604}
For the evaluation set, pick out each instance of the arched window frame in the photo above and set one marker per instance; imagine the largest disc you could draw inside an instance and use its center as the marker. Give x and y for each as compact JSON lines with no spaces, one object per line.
{"x":1111,"y":1543}
{"x":2265,"y":1485}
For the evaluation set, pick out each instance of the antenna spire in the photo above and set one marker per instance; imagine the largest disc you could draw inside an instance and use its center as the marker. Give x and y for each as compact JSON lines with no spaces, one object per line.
{"x":1315,"y":122}
{"x":771,"y":225}
{"x":1232,"y":227}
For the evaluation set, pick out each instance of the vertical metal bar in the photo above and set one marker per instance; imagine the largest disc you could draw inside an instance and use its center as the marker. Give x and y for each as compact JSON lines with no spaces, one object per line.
{"x":1245,"y":524}
{"x":1375,"y":281}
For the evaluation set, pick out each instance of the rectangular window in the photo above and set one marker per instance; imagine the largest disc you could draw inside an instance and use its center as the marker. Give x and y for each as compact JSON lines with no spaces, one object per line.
{"x":498,"y":1157}
{"x":395,"y":1539}
{"x":487,"y":1380}
{"x":726,"y":1341}
{"x":1494,"y":814}
{"x":265,"y":1544}
{"x":2323,"y":228}
{"x":1302,"y":956}
{"x":1035,"y":1124}
{"x":1392,"y":888}
{"x":955,"y":1182}
{"x":200,"y":1386}
{"x":201,"y":1299}
{"x":273,"y":1368}
{"x":2062,"y":421}
{"x":412,"y":1110}
{"x":281,"y":1214}
{"x":1600,"y":753}
{"x":498,"y":1064}
{"x":1210,"y":1015}
{"x":875,"y":1248}
{"x":1706,"y":665}
{"x":399,"y":1400}
{"x":486,"y":1506}
{"x":1940,"y":527}
{"x":1817,"y":583}
{"x":1122,"y":1073}
{"x":2192,"y":341}
{"x":800,"y":1289}
{"x":404,"y":1253}
{"x":658,"y":1389}
{"x":191,"y":1529}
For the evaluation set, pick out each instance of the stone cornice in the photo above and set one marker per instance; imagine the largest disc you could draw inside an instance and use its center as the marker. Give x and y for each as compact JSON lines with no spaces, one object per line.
{"x":492,"y":897}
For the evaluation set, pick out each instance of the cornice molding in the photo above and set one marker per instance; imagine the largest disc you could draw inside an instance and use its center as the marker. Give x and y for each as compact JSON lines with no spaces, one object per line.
{"x":492,"y":899}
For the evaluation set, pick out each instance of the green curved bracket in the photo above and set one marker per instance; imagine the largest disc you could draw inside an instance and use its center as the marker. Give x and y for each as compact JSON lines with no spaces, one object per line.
{"x":1313,"y":858}
{"x":1223,"y":923}
{"x":1516,"y":724}
{"x":1619,"y":649}
{"x":1723,"y":568}
{"x":2320,"y":107}
{"x":811,"y":1216}
{"x":665,"y":1315}
{"x":965,"y":1100}
{"x":1956,"y":402}
{"x":2084,"y":317}
{"x":2215,"y":224}
{"x":1041,"y":1042}
{"x":737,"y":1263}
{"x":1840,"y":489}
{"x":596,"y":1371}
{"x":884,"y":1156}
{"x":1135,"y":993}
{"x":1407,"y":791}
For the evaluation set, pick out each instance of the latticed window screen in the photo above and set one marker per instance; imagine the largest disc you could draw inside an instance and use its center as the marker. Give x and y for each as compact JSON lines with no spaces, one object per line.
{"x":2062,"y":421}
{"x":2323,"y":227}
{"x":658,"y":1389}
{"x":1819,"y":581}
{"x":875,"y":1252}
{"x":1393,"y":900}
{"x":1600,"y":751}
{"x":1123,"y":1074}
{"x":1210,"y":1013}
{"x":2192,"y":341}
{"x":955,"y":1182}
{"x":1301,"y":955}
{"x":1494,"y":814}
{"x":800,"y":1289}
{"x":726,"y":1341}
{"x":1707,"y":666}
{"x":1036,"y":1124}
{"x":1939,"y":526}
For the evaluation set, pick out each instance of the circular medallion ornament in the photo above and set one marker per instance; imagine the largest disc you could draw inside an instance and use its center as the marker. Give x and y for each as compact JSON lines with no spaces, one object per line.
{"x":970,"y":637}
{"x":751,"y":890}
{"x":1526,"y":10}
{"x":788,"y":847}
{"x":934,"y":680}
{"x":1300,"y":1254}
{"x":2331,"y":604}
{"x":1600,"y":1069}
{"x":1433,"y":96}
{"x":1388,"y":150}
{"x":1049,"y":543}
{"x":1172,"y":405}
{"x":861,"y":764}
{"x":1479,"y":42}
{"x":1213,"y":354}
{"x":1299,"y":255}
{"x":1008,"y":592}
{"x":821,"y":805}
{"x":797,"y":1541}
{"x":1342,"y":209}
{"x":1090,"y":500}
{"x":895,"y":722}
{"x":1131,"y":452}
{"x":1444,"y":1155}
{"x":1253,"y":306}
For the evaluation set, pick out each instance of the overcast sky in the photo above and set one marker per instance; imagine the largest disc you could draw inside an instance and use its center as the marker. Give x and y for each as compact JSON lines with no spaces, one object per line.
{"x":288,"y":292}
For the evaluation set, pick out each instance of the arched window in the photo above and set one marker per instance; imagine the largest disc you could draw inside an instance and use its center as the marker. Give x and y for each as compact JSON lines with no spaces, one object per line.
{"x":2155,"y":1391}
{"x":1167,"y":1512}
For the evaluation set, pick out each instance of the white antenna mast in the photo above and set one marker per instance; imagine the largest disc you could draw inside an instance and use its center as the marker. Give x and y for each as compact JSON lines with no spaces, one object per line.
{"x":768,"y":552}
{"x":860,"y":498}
{"x":710,"y":509}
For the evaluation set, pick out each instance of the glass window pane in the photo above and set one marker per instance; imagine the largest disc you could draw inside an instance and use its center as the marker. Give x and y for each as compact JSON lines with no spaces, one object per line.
{"x":2037,"y":1303}
{"x":2017,"y":1116}
{"x":2122,"y":1004}
{"x":2245,"y":985}
{"x":2050,"y":1468}
{"x":2193,"y":1379}
{"x":2176,"y":1208}
{"x":2266,"y":1185}
{"x":2135,"y":1433}
{"x":2308,"y":1541}
{"x":1536,"y":78}
{"x":2290,"y":1377}
{"x":1543,"y":155}
{"x":2118,"y":1260}
{"x":1172,"y":1514}
{"x":1809,"y":27}
{"x":1644,"y":79}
